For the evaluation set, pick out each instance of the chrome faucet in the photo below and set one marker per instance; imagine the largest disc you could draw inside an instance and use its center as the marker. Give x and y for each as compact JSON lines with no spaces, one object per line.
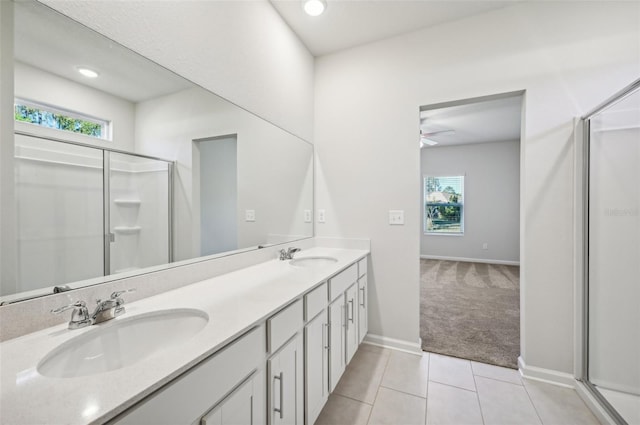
{"x":288,"y":254}
{"x":105,"y":310}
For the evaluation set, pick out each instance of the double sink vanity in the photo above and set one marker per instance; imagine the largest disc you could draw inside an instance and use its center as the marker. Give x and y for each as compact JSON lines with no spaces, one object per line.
{"x":265,"y":344}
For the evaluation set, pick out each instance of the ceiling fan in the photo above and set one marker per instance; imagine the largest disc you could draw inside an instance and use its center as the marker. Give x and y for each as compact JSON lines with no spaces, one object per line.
{"x":426,"y":136}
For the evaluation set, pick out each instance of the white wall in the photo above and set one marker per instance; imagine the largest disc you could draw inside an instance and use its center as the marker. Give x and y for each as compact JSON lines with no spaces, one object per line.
{"x":8,"y":245}
{"x":40,"y":86}
{"x":273,"y":166}
{"x":568,"y":57}
{"x":241,"y":50}
{"x":491,"y":200}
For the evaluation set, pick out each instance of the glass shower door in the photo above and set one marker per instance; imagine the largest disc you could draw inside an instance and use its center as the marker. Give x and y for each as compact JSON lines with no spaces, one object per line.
{"x":138,"y":216}
{"x":614,"y":256}
{"x":59,"y":199}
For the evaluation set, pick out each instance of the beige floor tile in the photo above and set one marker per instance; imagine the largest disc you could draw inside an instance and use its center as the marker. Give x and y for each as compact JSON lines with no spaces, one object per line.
{"x":558,"y":405}
{"x":451,"y":371}
{"x":397,"y":408}
{"x":407,"y":373}
{"x":341,"y":410}
{"x":505,"y":403}
{"x":496,"y":372}
{"x":451,"y":405}
{"x":363,"y":375}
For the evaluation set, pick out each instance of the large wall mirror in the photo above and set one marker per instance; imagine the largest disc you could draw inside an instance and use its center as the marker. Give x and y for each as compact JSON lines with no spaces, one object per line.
{"x":135,"y":168}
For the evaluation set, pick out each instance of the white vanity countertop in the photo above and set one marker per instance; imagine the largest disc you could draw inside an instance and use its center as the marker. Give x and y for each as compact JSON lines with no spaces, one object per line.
{"x":234,"y":302}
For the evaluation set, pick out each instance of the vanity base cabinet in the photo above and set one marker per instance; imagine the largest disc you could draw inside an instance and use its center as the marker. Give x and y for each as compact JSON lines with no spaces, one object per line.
{"x":337,"y":341}
{"x":363,"y":318}
{"x":316,"y":361}
{"x":285,"y":384}
{"x":190,"y":396}
{"x":351,"y":322}
{"x":245,"y":405}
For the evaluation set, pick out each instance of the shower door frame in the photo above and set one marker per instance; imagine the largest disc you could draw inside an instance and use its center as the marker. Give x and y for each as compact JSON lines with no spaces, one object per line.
{"x":582,"y":269}
{"x":106,"y":173}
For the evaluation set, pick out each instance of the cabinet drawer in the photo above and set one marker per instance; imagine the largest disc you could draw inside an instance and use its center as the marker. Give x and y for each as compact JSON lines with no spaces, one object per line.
{"x":283,"y":325}
{"x":340,"y":282}
{"x":315,"y":301}
{"x":362,"y":267}
{"x":186,"y":398}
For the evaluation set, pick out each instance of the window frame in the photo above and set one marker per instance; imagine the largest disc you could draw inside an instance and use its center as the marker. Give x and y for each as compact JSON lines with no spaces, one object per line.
{"x":427,"y":232}
{"x":106,"y":125}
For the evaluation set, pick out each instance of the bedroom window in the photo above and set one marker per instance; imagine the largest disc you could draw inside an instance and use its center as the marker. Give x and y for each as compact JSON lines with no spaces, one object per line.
{"x":444,"y":204}
{"x":60,"y":119}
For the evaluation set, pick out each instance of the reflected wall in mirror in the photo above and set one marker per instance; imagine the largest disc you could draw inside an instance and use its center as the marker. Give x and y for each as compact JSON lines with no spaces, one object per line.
{"x":137,"y":167}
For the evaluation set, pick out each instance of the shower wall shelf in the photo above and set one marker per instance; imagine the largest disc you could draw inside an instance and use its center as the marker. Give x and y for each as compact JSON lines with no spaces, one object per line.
{"x":127,"y":230}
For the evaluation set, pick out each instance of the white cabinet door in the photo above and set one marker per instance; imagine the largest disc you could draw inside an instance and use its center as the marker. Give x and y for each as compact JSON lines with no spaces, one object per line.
{"x":336,"y":341}
{"x":244,"y":406}
{"x":351,"y":321}
{"x":316,"y":335}
{"x":363,"y":318}
{"x":285,"y":390}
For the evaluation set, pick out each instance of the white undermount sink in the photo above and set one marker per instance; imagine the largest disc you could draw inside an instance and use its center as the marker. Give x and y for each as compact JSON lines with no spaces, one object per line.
{"x":317,"y":261}
{"x":122,"y":342}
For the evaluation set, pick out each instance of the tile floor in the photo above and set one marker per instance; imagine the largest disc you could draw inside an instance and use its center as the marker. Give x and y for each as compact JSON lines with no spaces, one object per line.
{"x":382,"y":386}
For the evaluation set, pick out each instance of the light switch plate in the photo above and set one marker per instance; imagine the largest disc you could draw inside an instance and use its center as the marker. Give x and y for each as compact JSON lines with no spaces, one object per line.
{"x":250,"y":215}
{"x":307,"y":216}
{"x":321,"y":217}
{"x":396,"y":217}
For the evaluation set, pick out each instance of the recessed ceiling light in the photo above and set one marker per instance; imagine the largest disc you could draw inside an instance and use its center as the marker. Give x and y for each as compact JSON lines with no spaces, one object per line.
{"x":89,"y":73}
{"x":314,"y":7}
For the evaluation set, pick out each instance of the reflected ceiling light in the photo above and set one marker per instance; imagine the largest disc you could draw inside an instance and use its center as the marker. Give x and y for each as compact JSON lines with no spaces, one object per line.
{"x":89,"y":73}
{"x":314,"y":7}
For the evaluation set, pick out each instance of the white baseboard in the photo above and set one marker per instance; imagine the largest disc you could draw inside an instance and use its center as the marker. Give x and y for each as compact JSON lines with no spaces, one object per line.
{"x":395,"y":344}
{"x":471,"y":260}
{"x":549,"y":376}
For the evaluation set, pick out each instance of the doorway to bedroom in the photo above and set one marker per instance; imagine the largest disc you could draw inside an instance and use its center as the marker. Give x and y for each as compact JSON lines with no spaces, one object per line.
{"x":470,"y":233}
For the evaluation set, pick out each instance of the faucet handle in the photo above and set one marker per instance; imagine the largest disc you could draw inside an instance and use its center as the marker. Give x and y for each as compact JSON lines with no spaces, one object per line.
{"x":118,"y":293}
{"x":79,"y":317}
{"x":77,"y":304}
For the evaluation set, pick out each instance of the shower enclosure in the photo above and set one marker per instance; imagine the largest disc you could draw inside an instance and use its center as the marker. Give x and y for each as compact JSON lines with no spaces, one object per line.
{"x":85,"y":212}
{"x":611,"y":328}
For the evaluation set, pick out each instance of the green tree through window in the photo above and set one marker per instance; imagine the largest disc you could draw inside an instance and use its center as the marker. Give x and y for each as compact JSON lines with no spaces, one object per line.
{"x":54,"y":119}
{"x":443,"y":208}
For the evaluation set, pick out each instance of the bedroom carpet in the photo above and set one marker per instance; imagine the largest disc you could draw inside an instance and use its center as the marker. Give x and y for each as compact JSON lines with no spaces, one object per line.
{"x":470,"y":310}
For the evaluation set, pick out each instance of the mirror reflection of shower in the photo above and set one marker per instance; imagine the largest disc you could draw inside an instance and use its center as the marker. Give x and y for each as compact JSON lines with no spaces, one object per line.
{"x":85,"y":212}
{"x":613,"y":256}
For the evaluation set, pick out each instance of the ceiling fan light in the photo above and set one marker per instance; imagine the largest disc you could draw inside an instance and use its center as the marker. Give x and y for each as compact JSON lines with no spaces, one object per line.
{"x":314,"y":7}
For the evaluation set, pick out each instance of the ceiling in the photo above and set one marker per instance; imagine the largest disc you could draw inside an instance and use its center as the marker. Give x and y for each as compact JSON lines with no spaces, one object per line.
{"x":484,"y":121}
{"x":349,"y":23}
{"x":48,"y":40}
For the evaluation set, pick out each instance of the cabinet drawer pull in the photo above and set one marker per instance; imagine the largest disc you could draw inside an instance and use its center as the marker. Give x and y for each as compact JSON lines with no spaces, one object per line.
{"x":352,"y":312}
{"x":345,"y":317}
{"x":280,"y":409}
{"x":325,"y":344}
{"x":362,"y":298}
